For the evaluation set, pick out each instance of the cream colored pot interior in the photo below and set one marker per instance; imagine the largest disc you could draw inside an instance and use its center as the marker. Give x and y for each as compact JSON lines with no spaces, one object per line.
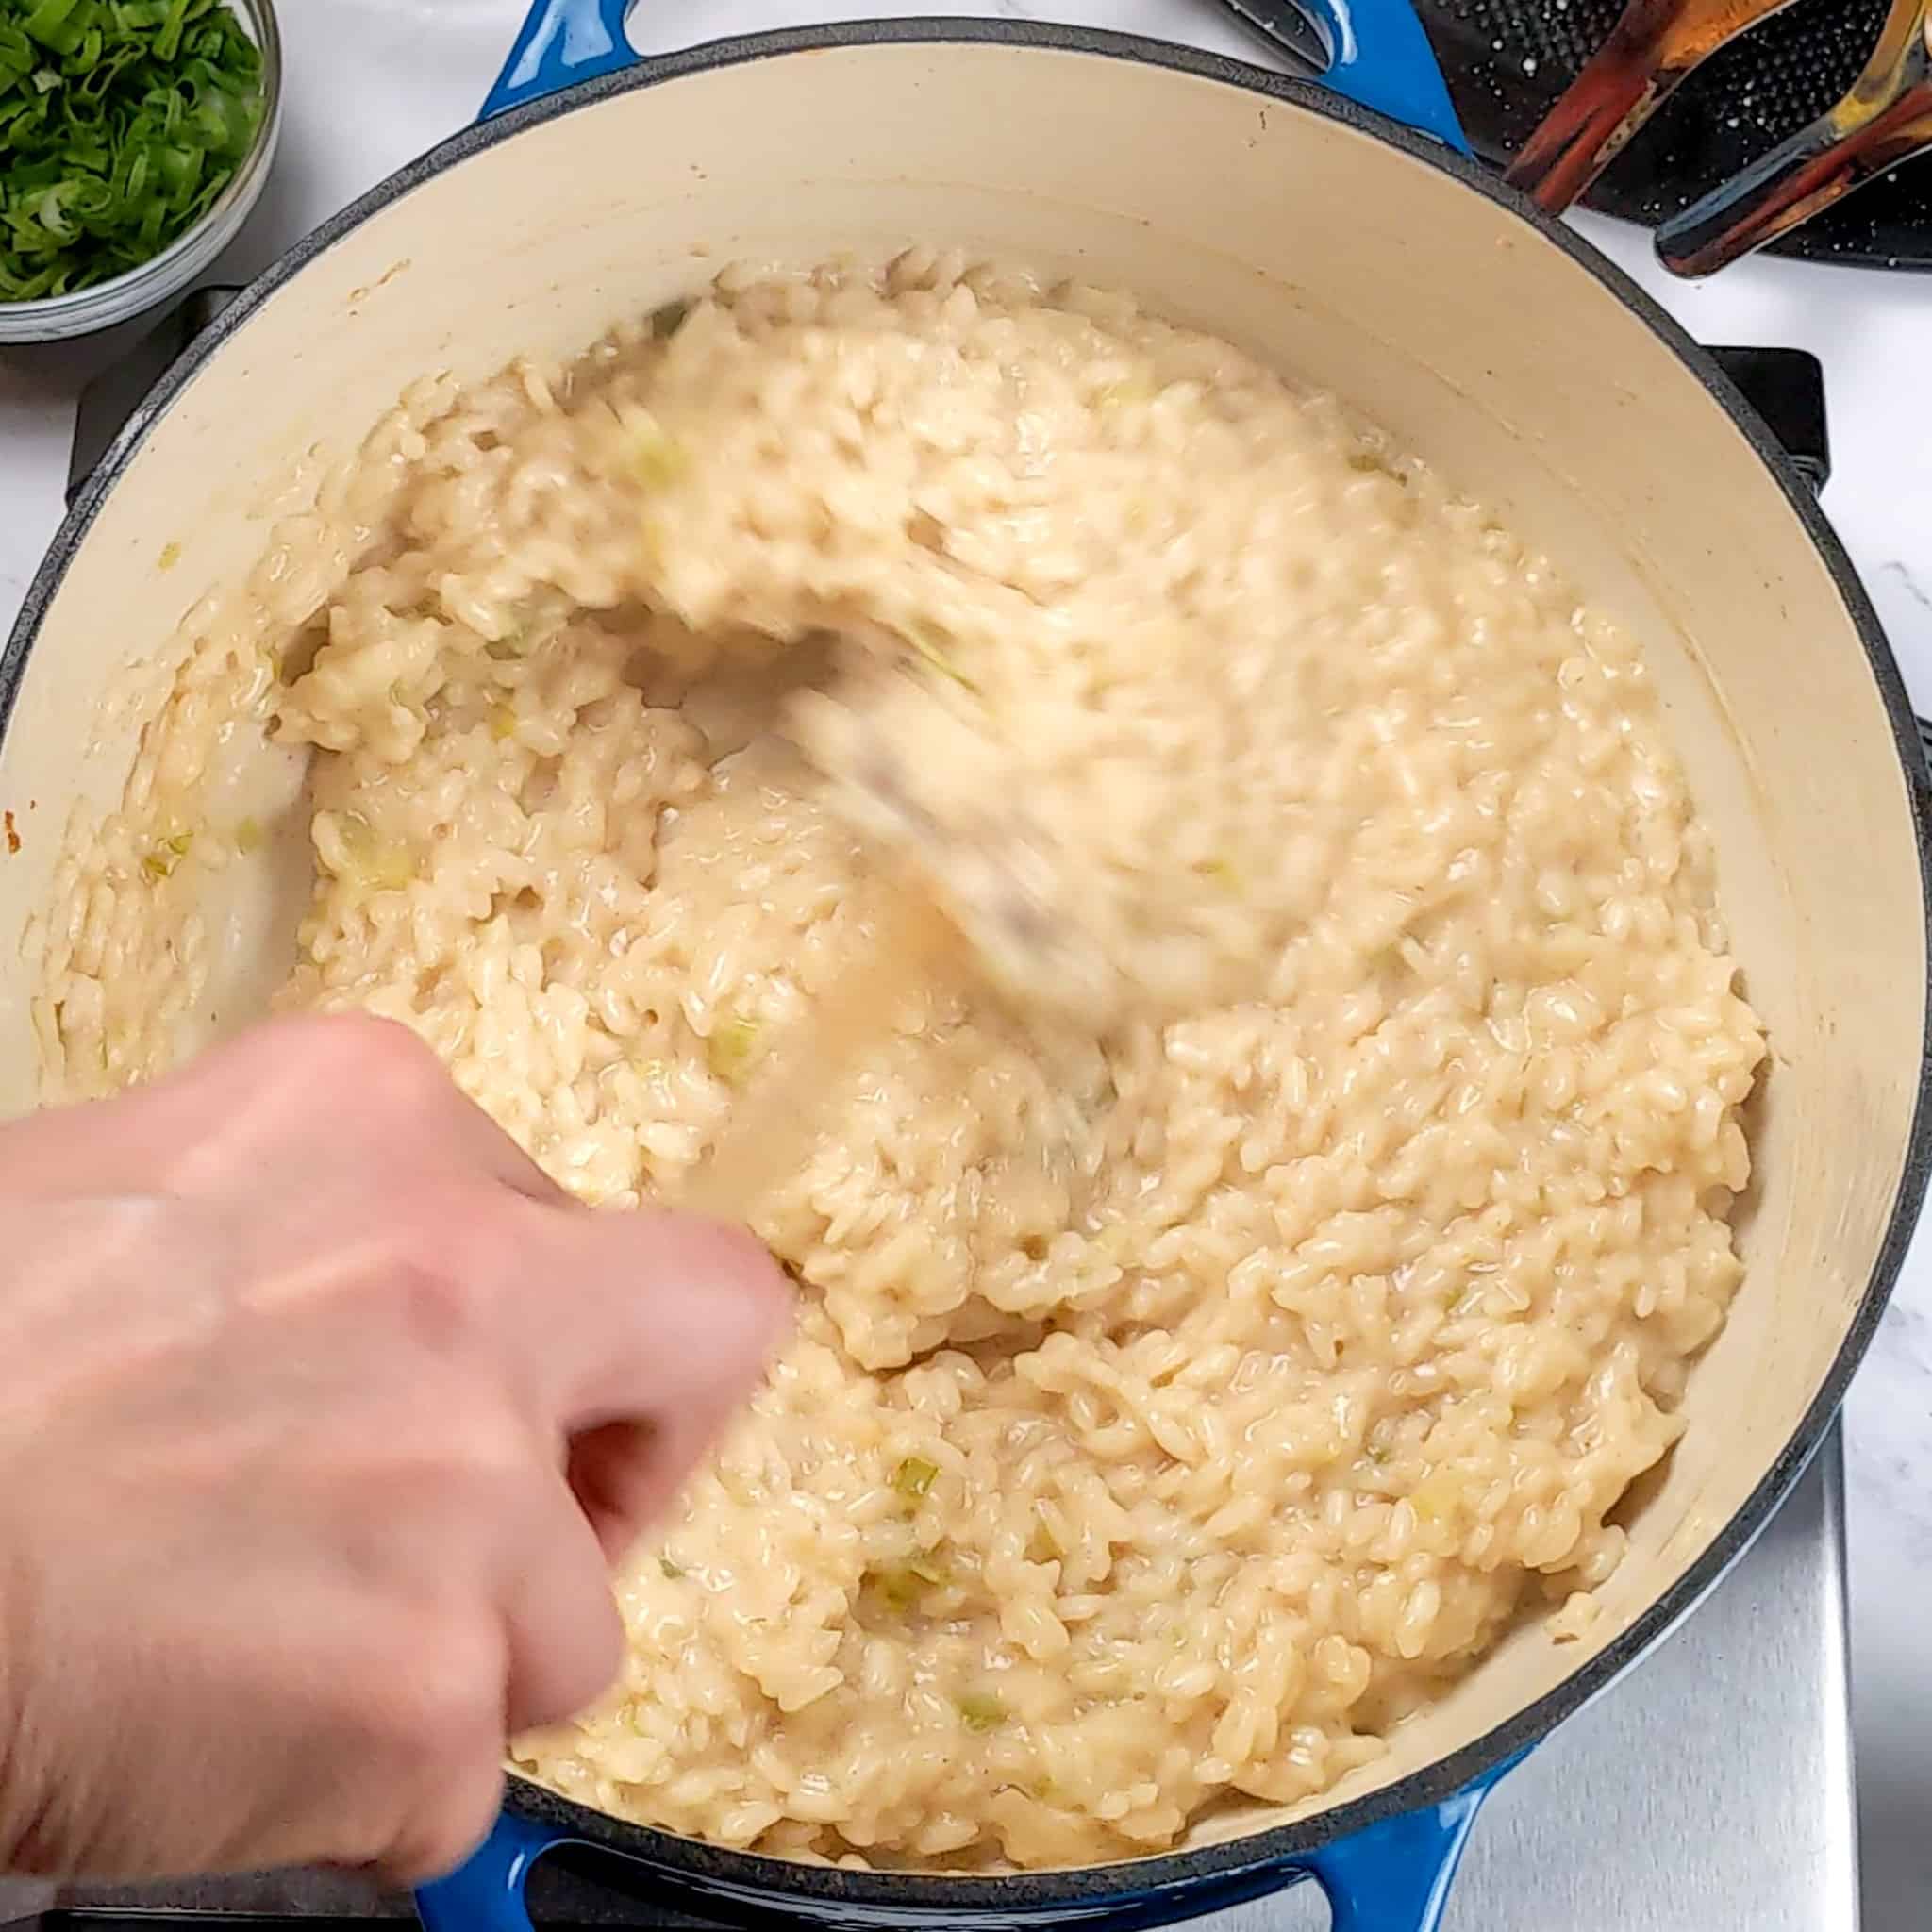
{"x":1450,"y":320}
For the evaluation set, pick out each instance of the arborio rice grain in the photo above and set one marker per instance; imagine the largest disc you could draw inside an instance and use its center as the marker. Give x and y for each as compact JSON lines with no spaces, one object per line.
{"x":1171,"y":1414}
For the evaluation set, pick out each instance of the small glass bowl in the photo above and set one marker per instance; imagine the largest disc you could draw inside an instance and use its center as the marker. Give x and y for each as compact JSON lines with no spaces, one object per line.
{"x":60,"y":318}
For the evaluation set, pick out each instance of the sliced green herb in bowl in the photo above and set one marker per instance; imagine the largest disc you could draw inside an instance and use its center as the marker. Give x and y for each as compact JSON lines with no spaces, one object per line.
{"x":122,"y":122}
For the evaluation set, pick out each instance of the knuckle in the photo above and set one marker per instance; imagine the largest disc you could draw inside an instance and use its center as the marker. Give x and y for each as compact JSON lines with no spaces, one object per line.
{"x":379,"y":1059}
{"x":448,"y":1825}
{"x":494,"y":1453}
{"x":437,"y":1698}
{"x":420,"y":1719}
{"x":460,"y":1686}
{"x":444,"y":1266}
{"x":449,"y":1229}
{"x":434,"y":1305}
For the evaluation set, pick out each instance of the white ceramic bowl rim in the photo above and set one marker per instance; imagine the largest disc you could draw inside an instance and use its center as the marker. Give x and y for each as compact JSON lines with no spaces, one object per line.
{"x":1148,"y":1890}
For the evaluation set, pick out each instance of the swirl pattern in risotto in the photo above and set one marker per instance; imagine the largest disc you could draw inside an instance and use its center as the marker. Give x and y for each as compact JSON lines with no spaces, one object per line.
{"x":1172,"y":1411}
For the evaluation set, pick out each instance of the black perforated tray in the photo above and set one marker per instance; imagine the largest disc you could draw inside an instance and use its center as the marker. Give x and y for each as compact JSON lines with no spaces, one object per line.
{"x":1507,"y":61}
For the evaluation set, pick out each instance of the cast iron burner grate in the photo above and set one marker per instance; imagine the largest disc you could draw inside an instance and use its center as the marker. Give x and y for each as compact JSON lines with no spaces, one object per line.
{"x":1507,"y":61}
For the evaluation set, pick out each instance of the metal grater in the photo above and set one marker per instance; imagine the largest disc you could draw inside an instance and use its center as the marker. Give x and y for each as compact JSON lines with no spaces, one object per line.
{"x":1507,"y":61}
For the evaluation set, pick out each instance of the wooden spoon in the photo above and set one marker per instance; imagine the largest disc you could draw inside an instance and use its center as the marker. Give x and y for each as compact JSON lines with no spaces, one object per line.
{"x":978,"y":884}
{"x":1883,"y":120}
{"x":777,"y":1120}
{"x":1653,"y":48}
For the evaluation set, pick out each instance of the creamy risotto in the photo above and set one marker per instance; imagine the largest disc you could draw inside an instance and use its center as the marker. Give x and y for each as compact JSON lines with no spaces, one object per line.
{"x":1173,"y":1409}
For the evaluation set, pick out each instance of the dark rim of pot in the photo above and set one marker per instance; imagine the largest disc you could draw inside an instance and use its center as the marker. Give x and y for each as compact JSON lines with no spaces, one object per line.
{"x":1089,"y":1891}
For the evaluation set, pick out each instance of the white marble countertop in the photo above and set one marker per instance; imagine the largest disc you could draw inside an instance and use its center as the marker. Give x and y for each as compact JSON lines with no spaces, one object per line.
{"x":372,"y":82}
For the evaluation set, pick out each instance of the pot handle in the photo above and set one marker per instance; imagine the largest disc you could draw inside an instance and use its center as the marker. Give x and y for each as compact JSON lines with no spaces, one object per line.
{"x":1394,"y":1876}
{"x":561,"y":41}
{"x":485,"y":1894}
{"x":1787,"y":389}
{"x":1389,"y":1877}
{"x":1378,"y":56}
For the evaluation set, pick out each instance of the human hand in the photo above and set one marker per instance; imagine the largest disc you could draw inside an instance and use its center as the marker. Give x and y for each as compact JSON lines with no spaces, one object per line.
{"x":322,"y":1414}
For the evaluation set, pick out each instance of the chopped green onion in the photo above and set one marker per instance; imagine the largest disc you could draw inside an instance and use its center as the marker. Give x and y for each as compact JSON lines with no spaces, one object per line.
{"x":160,"y":862}
{"x":378,"y":864}
{"x":171,"y":556}
{"x":671,"y":1569}
{"x":657,"y":459}
{"x":248,"y":837}
{"x":914,"y":1476}
{"x":924,"y":638}
{"x":1435,"y":1499}
{"x":902,"y":1585}
{"x":1042,"y":1545}
{"x":1129,"y":390}
{"x":982,"y":1710}
{"x":122,"y":122}
{"x":731,"y":1048}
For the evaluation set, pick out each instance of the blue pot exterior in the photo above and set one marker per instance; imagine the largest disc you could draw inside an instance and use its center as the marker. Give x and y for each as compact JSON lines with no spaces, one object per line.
{"x":1392,"y":1875}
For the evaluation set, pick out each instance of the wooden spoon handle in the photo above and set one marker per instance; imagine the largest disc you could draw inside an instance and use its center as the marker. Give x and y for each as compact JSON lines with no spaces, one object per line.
{"x":1651,"y":47}
{"x":776,"y":1120}
{"x":1884,"y":118}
